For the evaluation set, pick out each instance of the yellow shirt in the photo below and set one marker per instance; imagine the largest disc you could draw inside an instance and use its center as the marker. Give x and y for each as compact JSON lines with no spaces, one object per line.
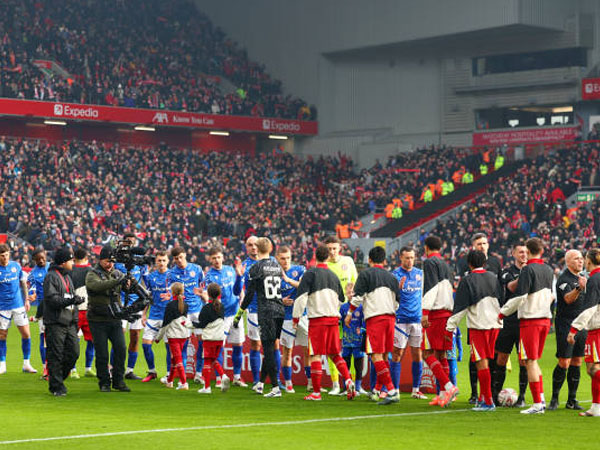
{"x":345,"y":270}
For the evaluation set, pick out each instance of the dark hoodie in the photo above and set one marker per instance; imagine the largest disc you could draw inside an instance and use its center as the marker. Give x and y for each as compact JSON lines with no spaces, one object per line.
{"x":59,"y":295}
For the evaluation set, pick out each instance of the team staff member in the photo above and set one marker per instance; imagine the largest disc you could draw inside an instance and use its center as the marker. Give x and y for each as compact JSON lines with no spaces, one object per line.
{"x":570,"y":302}
{"x":509,"y":334}
{"x":103,"y":285}
{"x":60,"y":320}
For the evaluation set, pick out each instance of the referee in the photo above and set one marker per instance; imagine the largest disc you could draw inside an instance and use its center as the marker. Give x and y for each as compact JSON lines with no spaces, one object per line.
{"x":570,"y":302}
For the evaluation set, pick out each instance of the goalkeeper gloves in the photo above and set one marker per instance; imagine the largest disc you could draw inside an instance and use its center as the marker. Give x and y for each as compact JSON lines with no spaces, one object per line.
{"x":238,"y":317}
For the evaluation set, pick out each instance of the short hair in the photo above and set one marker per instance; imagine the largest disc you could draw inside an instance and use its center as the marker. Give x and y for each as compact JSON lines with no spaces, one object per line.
{"x":332,"y":239}
{"x":534,"y":245}
{"x":264,"y":245}
{"x":129,"y":235}
{"x":37,"y":251}
{"x":478,"y":236}
{"x":476,"y":258}
{"x":214,"y":290}
{"x":518,"y":244}
{"x":80,"y":253}
{"x":283,"y":249}
{"x":406,"y":248}
{"x":433,"y":242}
{"x":322,"y":253}
{"x":594,"y":256}
{"x":377,"y":254}
{"x":214,"y":251}
{"x":176,"y":251}
{"x":250,"y":237}
{"x":4,"y":248}
{"x":177,"y":289}
{"x":162,"y":253}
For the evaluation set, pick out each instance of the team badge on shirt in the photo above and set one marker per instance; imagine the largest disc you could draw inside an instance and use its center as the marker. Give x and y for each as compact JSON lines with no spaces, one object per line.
{"x":192,"y":274}
{"x":13,"y":270}
{"x":418,"y":277}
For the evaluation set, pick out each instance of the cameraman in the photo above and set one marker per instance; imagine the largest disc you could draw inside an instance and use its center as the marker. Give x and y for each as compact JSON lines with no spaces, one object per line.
{"x":104,"y":285}
{"x":60,"y":319}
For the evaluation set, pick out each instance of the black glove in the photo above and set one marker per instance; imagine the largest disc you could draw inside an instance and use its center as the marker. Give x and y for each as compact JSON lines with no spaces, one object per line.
{"x":77,"y":300}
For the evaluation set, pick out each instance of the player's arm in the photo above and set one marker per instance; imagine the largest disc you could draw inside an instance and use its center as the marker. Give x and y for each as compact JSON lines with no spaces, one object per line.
{"x":521,"y":292}
{"x":360,"y":290}
{"x":304,"y":289}
{"x":461,"y":306}
{"x":430,"y":287}
{"x":24,"y":289}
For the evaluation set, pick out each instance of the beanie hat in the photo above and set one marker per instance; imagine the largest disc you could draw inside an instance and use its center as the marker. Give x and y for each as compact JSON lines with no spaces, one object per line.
{"x":62,"y":255}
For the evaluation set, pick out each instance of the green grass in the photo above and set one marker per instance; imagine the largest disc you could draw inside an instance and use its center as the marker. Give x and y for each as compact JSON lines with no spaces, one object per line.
{"x":28,"y":411}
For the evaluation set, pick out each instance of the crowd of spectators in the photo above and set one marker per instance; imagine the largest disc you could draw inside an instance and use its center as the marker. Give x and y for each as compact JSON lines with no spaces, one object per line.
{"x":532,"y":203}
{"x":134,"y":53}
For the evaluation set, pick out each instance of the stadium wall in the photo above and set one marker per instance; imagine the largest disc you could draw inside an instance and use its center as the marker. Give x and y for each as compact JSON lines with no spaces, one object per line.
{"x":390,"y":75}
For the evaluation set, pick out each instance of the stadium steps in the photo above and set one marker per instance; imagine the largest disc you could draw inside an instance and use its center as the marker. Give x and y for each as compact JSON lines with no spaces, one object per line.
{"x":438,"y":207}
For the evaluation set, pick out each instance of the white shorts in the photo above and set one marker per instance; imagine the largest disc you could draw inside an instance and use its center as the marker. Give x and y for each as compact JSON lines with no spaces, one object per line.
{"x":193,"y":317}
{"x":151,"y":329}
{"x":253,"y":328}
{"x":289,"y":336}
{"x":41,"y":326}
{"x":408,"y":333}
{"x":18,"y":314}
{"x":233,"y":335}
{"x":137,"y":325}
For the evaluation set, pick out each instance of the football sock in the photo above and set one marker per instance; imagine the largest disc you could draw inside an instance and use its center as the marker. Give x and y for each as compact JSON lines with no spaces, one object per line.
{"x":316,"y":371}
{"x":236,"y":359}
{"x":453,"y":371}
{"x":149,"y":355}
{"x":417,"y":373}
{"x":543,"y":397}
{"x":287,"y":373}
{"x":485,"y":384}
{"x":348,"y":360}
{"x":169,"y":356}
{"x":112,"y":356}
{"x":2,"y":351}
{"x":307,"y":371}
{"x":438,"y":371}
{"x":333,"y":372}
{"x":498,"y":378}
{"x":534,"y":386}
{"x":383,"y":375}
{"x":89,"y":354}
{"x":131,"y":359}
{"x":255,"y":365}
{"x":573,"y":376}
{"x":42,"y":349}
{"x":372,"y":375}
{"x":558,"y":378}
{"x":522,"y":381}
{"x":395,"y":370}
{"x":207,"y":372}
{"x":199,"y":356}
{"x":358,"y":370}
{"x":596,"y":387}
{"x":278,"y":360}
{"x":341,"y":366}
{"x":473,"y":378}
{"x":26,"y":347}
{"x":218,"y":368}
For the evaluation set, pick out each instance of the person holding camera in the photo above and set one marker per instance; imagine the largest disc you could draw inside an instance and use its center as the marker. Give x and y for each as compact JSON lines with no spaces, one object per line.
{"x":60,"y":319}
{"x":104,"y":285}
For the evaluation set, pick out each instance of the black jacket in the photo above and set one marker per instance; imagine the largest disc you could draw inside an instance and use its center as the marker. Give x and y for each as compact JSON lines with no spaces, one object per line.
{"x":59,"y":294}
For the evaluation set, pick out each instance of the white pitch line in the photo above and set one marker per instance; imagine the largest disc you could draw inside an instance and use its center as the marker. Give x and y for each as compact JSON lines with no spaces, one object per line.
{"x":229,"y":426}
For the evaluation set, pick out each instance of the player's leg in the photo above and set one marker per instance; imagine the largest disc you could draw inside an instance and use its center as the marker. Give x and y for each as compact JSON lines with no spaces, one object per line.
{"x":254,"y":337}
{"x":401,"y":336}
{"x":286,"y":341}
{"x":132,"y":351}
{"x":383,"y":373}
{"x":199,"y":355}
{"x":359,"y":358}
{"x":335,"y":378}
{"x":176,"y":347}
{"x":84,"y":326}
{"x":417,"y":371}
{"x":42,"y":346}
{"x":593,"y":370}
{"x":236,"y":338}
{"x":485,"y":384}
{"x":5,"y":321}
{"x":270,"y":330}
{"x":22,"y":323}
{"x":316,"y":374}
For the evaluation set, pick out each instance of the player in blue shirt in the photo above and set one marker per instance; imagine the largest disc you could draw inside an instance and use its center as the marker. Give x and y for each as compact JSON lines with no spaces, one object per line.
{"x":289,"y":335}
{"x":135,"y":328}
{"x":158,"y":285}
{"x":408,"y":329}
{"x":35,"y":281}
{"x":252,"y":318}
{"x":230,"y":281}
{"x":14,"y":304}
{"x":352,"y":341}
{"x":192,"y":278}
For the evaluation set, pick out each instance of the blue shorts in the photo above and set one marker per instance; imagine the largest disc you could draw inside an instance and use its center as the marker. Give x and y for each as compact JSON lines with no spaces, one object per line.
{"x":354,"y":351}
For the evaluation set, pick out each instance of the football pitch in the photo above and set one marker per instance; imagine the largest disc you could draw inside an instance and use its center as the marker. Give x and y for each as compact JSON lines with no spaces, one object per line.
{"x":152,"y":416}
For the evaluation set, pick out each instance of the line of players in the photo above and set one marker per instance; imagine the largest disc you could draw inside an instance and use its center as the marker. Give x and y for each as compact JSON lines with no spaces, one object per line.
{"x":436,"y":306}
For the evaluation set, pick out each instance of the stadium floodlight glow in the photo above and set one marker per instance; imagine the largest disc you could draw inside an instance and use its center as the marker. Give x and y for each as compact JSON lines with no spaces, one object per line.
{"x":144,"y":128}
{"x":277,"y":136}
{"x":219,"y":133}
{"x":562,"y":109}
{"x":61,"y":123}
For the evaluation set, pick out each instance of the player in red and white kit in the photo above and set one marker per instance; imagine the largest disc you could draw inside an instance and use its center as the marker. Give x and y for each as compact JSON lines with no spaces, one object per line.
{"x":532,"y":300}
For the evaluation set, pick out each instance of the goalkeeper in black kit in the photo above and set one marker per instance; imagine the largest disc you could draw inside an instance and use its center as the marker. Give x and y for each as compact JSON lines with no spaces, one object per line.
{"x":264,"y":280}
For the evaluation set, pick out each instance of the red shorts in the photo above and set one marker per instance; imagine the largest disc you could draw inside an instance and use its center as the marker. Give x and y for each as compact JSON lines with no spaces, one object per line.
{"x":380,"y":334}
{"x":532,"y":337}
{"x":211,"y":349}
{"x":324,"y":336}
{"x":434,"y":334}
{"x":84,"y":326}
{"x":483,"y":343}
{"x":592,"y":347}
